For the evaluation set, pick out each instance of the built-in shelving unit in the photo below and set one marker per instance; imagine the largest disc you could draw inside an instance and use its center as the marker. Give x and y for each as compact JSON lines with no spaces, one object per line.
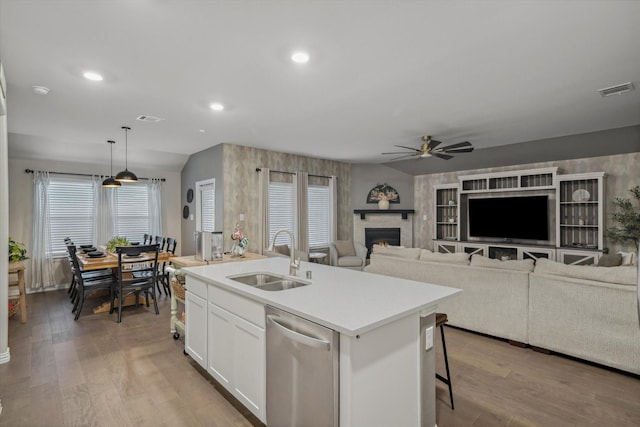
{"x":528,"y":179}
{"x":579,"y":205}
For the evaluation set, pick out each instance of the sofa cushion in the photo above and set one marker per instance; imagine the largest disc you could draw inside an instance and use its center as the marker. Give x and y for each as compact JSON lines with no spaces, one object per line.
{"x":518,"y":265}
{"x":349,"y":261}
{"x":610,"y":260}
{"x":397,"y":251}
{"x":455,"y":258}
{"x":345,"y":248}
{"x":624,"y":275}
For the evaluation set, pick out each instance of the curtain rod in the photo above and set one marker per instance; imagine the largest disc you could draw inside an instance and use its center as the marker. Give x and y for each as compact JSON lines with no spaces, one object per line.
{"x":86,"y":174}
{"x":293,"y":173}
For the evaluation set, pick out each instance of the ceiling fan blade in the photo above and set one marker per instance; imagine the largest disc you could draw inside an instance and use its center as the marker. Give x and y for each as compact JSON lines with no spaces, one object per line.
{"x":433,"y":143}
{"x":441,"y":156}
{"x":461,"y":147}
{"x":410,"y":148}
{"x":399,"y":152}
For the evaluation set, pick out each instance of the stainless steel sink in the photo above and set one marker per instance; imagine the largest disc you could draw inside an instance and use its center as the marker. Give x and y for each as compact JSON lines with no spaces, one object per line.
{"x":268,"y":281}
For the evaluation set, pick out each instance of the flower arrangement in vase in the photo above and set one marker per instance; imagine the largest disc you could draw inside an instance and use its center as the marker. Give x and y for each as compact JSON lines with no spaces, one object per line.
{"x":383,"y":194}
{"x":238,"y":235}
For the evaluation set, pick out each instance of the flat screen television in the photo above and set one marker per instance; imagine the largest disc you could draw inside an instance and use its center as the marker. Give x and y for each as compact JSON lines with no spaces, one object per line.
{"x":511,"y":218}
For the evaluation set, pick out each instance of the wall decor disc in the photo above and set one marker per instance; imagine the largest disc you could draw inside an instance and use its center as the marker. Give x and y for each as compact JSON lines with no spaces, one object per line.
{"x":185,"y":212}
{"x":189,"y":195}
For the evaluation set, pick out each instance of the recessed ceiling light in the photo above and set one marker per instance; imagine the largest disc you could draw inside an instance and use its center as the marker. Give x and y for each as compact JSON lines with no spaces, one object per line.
{"x":216,"y":106}
{"x":202,"y":131}
{"x":90,"y":75}
{"x":40,"y":90}
{"x":300,"y":57}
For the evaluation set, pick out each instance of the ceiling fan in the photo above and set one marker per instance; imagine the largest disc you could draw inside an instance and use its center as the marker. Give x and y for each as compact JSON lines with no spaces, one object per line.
{"x":430,"y":147}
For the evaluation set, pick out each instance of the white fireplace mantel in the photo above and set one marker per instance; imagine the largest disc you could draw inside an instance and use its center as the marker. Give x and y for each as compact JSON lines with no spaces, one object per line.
{"x":392,"y":218}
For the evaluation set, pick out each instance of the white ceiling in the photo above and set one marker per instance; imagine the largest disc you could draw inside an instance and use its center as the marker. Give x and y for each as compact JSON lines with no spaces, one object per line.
{"x":381,"y":73}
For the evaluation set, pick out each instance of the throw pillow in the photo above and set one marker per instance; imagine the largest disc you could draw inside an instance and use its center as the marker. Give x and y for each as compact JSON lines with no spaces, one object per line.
{"x":627,"y":257}
{"x":518,"y":265}
{"x":345,"y":247}
{"x":610,"y":260}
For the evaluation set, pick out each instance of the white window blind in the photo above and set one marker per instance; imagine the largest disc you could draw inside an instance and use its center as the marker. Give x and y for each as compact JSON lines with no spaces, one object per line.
{"x":282,"y":212}
{"x":206,"y":205}
{"x":70,"y":212}
{"x":319,"y":216}
{"x":131,"y":211}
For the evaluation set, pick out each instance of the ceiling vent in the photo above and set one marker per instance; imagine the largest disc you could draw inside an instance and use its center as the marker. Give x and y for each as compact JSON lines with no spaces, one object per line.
{"x":149,"y":119}
{"x":617,"y":90}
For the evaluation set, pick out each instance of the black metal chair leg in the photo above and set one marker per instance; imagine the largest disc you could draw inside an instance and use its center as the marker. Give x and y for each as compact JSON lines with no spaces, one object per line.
{"x":447,"y":380}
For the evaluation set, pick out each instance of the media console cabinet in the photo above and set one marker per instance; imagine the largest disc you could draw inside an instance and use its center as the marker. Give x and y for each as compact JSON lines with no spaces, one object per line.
{"x":576,"y":204}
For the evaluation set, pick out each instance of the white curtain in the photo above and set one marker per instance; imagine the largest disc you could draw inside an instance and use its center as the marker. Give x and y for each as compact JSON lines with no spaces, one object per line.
{"x":302,"y":183}
{"x":103,"y":203}
{"x":333,"y":189}
{"x":263,"y":229}
{"x":155,"y":207}
{"x":41,"y":258}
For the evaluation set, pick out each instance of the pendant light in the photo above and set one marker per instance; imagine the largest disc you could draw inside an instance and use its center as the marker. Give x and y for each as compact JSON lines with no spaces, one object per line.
{"x":110,"y":182}
{"x":126,"y":175}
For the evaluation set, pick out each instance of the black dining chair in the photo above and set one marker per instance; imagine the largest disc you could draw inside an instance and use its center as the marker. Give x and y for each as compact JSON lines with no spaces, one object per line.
{"x":163,"y":275}
{"x":86,"y":283}
{"x":87,"y":275}
{"x":137,"y":272}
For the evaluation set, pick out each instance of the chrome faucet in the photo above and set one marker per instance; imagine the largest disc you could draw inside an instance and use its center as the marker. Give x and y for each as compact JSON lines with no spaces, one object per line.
{"x":294,"y":265}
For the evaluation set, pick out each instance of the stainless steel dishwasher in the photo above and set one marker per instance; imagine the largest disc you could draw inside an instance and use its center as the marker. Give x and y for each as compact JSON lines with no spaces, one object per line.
{"x":302,"y":372}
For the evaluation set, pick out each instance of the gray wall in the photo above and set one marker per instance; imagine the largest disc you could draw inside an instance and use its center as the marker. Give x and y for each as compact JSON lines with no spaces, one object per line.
{"x":366,"y":176}
{"x":622,"y":172}
{"x":234,"y":168}
{"x":203,"y":165}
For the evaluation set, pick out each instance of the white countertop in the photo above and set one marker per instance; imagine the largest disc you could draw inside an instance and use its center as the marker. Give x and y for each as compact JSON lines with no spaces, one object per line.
{"x":350,"y":302}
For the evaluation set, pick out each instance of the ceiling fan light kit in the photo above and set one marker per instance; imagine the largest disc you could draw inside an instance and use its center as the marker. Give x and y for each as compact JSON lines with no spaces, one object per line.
{"x":126,"y":175}
{"x":431,"y":147}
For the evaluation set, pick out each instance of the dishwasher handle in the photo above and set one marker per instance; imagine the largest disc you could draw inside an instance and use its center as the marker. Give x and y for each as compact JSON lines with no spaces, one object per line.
{"x":297,"y":336}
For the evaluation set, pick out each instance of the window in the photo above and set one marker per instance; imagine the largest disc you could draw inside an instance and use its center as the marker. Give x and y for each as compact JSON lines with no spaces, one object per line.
{"x":319,"y":216}
{"x":282,"y":210}
{"x":131,"y":211}
{"x":206,"y":205}
{"x":71,"y":212}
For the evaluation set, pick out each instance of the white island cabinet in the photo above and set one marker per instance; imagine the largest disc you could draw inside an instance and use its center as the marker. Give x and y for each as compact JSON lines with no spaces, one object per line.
{"x":387,"y":367}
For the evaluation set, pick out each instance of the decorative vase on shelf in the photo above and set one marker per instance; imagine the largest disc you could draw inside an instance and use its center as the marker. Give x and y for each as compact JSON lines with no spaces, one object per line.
{"x":383,"y":204}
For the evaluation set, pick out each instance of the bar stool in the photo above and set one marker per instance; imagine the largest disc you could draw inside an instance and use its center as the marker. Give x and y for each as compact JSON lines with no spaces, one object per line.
{"x":441,"y":319}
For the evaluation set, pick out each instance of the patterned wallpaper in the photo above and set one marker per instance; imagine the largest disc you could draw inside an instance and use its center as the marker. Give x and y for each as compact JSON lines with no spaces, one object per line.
{"x":241,"y":187}
{"x":622,"y":172}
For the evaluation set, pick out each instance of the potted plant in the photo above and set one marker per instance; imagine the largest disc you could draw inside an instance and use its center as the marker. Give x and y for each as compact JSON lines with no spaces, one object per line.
{"x":628,"y":219}
{"x":17,"y":251}
{"x":115,"y":242}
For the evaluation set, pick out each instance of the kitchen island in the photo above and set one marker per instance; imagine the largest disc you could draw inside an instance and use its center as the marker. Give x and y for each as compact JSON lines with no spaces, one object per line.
{"x":386,"y":366}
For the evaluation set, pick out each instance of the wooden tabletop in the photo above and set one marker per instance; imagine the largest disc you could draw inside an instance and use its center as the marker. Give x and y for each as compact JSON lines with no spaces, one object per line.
{"x":110,"y":260}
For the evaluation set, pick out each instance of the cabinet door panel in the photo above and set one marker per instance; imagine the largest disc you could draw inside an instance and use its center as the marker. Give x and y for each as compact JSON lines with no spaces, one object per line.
{"x":221,"y":330}
{"x":196,"y":328}
{"x":249,"y":349}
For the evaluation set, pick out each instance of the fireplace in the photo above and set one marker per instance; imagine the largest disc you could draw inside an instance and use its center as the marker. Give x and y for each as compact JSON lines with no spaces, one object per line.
{"x":381,"y":236}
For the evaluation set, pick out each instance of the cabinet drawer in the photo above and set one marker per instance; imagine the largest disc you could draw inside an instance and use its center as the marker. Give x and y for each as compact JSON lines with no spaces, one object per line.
{"x":242,"y":307}
{"x":197,"y":287}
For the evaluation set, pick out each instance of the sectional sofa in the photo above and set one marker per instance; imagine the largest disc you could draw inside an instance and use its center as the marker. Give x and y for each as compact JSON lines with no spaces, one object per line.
{"x":587,"y":312}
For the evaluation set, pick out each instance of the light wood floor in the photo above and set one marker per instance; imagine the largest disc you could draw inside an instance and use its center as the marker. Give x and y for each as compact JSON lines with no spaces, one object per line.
{"x":95,"y":372}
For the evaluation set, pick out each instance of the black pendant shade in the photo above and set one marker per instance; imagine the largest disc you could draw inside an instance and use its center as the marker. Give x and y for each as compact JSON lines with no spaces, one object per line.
{"x":110,"y":182}
{"x":126,"y":175}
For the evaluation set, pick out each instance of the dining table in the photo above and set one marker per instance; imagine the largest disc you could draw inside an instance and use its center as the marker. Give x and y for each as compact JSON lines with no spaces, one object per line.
{"x":110,"y":260}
